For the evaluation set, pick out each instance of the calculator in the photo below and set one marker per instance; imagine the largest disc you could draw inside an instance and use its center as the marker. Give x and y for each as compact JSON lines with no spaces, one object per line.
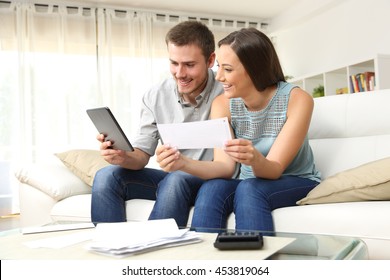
{"x":239,"y":241}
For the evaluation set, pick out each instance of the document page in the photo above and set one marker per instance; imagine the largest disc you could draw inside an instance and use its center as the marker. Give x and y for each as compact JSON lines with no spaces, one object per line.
{"x":196,"y":135}
{"x":123,"y":239}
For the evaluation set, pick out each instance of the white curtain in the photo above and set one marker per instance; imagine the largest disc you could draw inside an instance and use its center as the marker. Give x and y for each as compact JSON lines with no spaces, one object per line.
{"x":57,"y":61}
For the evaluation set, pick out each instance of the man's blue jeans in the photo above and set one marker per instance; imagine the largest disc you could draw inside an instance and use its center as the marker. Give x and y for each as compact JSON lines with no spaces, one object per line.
{"x":114,"y":185}
{"x":176,"y":195}
{"x":252,"y":201}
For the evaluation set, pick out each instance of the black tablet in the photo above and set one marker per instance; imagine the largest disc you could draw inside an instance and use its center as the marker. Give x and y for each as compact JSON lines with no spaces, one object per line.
{"x":106,"y":124}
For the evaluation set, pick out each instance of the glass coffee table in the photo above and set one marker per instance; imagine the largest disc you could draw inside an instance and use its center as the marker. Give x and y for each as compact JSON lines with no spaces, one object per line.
{"x":321,"y":247}
{"x":281,"y":246}
{"x":305,"y":246}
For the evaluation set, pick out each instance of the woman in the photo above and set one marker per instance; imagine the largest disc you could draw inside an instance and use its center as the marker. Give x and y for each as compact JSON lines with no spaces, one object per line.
{"x":270,"y":119}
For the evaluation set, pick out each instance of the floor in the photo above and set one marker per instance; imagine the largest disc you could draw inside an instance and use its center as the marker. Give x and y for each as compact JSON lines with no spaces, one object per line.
{"x":9,"y":222}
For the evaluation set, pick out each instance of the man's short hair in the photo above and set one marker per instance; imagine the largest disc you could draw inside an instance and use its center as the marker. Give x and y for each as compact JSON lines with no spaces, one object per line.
{"x":192,"y":32}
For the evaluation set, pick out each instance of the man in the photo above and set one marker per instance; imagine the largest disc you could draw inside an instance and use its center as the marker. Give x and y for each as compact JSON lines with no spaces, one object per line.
{"x":185,"y":97}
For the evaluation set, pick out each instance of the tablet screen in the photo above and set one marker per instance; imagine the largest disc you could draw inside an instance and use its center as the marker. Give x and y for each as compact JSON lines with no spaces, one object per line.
{"x":106,"y":124}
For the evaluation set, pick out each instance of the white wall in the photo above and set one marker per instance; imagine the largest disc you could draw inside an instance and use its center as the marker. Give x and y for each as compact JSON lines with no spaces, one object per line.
{"x":312,"y":38}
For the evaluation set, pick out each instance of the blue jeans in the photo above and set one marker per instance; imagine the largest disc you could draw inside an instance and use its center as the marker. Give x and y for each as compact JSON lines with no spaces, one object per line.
{"x":113,"y":185}
{"x":174,"y":193}
{"x":252,"y":201}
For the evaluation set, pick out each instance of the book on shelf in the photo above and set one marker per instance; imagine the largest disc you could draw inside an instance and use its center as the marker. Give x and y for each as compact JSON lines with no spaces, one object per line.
{"x":354,"y":84}
{"x":370,"y":80}
{"x":361,"y":82}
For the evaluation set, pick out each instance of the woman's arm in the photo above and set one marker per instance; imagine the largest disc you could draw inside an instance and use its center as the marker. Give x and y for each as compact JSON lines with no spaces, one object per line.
{"x":286,"y":145}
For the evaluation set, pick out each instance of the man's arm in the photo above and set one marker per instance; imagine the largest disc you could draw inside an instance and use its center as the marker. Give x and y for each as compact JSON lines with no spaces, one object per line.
{"x":170,"y":159}
{"x":135,"y":160}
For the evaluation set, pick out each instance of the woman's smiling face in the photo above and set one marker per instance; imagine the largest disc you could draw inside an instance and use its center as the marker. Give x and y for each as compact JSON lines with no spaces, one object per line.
{"x":232,"y":74}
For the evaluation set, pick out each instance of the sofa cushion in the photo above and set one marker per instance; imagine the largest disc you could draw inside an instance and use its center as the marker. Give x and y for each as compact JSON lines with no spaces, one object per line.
{"x":83,"y":163}
{"x":54,"y":180}
{"x":370,"y":181}
{"x":75,"y":208}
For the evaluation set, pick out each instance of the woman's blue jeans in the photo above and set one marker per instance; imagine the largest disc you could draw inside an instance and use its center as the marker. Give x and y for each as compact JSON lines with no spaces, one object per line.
{"x":113,"y":186}
{"x":252,"y":201}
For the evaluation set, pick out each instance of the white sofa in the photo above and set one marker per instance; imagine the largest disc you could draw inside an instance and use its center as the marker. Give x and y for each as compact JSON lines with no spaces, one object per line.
{"x":346,"y":131}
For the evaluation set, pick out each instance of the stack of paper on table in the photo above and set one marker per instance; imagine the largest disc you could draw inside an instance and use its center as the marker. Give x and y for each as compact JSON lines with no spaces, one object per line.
{"x":123,"y":239}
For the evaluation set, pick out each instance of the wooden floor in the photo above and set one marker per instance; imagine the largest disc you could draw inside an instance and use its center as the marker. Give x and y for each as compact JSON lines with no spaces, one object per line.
{"x":9,"y":222}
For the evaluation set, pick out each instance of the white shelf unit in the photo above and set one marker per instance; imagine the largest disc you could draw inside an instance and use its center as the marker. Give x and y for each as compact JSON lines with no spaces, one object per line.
{"x":340,"y":77}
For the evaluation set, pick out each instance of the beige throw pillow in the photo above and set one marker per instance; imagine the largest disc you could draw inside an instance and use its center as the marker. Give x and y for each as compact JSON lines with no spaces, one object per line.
{"x":370,"y":181}
{"x":83,"y":163}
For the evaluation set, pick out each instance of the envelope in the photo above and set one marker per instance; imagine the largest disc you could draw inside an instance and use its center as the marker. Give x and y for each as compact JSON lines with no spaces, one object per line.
{"x":196,"y":135}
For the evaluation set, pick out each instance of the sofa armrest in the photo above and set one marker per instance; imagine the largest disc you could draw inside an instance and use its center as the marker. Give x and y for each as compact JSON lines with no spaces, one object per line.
{"x":55,"y":180}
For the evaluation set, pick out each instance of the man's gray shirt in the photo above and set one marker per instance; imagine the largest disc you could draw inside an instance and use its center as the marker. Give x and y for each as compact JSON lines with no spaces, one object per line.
{"x":163,"y":104}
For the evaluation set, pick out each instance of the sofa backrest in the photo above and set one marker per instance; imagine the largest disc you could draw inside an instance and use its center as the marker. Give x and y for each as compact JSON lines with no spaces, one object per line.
{"x":349,"y":130}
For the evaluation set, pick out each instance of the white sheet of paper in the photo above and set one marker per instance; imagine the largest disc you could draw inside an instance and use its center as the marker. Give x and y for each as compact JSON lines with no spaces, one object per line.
{"x":123,"y":239}
{"x":131,"y":234}
{"x":196,"y":135}
{"x":60,"y":241}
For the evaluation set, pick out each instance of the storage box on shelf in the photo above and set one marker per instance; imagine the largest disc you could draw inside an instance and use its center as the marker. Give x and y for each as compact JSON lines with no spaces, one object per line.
{"x":338,"y":80}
